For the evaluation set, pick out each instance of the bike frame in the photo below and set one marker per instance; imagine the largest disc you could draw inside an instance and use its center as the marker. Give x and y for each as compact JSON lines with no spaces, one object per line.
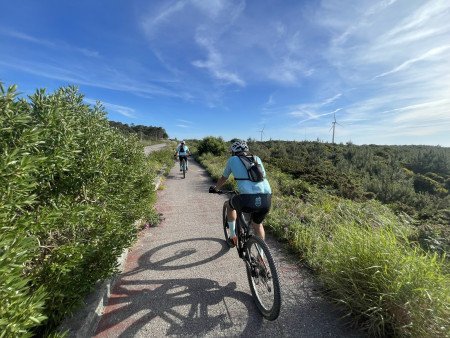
{"x":243,"y":231}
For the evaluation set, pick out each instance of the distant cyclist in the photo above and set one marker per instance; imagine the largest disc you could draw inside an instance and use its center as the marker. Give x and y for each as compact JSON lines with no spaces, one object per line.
{"x":183,"y":152}
{"x":254,"y":197}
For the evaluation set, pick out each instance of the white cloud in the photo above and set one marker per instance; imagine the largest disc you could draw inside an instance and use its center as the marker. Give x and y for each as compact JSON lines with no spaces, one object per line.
{"x":429,"y":55}
{"x":49,"y":44}
{"x":215,"y":65}
{"x":151,"y":22}
{"x":185,"y":121}
{"x":99,"y":77}
{"x":123,"y":110}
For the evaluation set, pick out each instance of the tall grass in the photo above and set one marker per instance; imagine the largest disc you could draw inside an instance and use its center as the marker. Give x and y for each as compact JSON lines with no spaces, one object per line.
{"x":361,"y":253}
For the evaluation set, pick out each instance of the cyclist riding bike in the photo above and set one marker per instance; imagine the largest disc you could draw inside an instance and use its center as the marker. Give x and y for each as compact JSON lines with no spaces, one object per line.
{"x":183,"y":152}
{"x":253,"y":197}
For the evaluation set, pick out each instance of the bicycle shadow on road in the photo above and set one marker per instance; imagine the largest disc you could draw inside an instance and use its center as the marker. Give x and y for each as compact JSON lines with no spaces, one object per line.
{"x":182,"y":254}
{"x":189,"y":306}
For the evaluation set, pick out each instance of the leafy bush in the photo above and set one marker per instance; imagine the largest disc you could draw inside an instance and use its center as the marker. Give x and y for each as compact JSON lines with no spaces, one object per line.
{"x":213,"y":145}
{"x":73,"y":184}
{"x":423,"y":183}
{"x":20,"y":309}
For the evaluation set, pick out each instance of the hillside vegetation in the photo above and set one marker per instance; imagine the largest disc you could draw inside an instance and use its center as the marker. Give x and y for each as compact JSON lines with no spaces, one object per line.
{"x":71,"y":189}
{"x":143,"y":132}
{"x":371,"y":221}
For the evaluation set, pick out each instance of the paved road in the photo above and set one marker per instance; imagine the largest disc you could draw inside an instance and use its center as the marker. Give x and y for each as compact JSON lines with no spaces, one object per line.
{"x":180,"y":279}
{"x":155,"y":147}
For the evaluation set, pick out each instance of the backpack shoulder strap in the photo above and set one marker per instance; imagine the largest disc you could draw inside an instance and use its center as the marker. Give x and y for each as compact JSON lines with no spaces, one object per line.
{"x":246,"y":163}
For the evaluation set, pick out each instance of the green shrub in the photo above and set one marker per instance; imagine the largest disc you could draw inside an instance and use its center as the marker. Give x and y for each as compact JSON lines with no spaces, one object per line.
{"x":213,"y":145}
{"x":76,"y":186}
{"x":426,"y":184}
{"x":21,"y":308}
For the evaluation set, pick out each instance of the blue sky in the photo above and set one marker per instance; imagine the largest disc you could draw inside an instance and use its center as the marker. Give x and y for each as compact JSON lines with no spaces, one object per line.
{"x":233,"y":68}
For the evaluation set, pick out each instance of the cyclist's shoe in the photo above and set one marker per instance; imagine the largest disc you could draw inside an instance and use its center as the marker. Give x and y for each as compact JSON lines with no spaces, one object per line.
{"x":232,"y":241}
{"x":181,"y":169}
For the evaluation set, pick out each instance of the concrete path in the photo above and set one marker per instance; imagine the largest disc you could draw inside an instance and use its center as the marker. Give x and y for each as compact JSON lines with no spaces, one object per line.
{"x":155,"y":147}
{"x":180,"y":279}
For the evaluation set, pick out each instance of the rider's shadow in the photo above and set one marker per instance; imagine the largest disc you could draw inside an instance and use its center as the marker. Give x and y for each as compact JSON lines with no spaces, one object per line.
{"x":190,"y":306}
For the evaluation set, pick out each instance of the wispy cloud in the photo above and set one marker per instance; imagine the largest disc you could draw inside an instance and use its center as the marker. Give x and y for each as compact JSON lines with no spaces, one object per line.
{"x":270,"y":101}
{"x":315,"y":110}
{"x":122,"y":110}
{"x":98,"y":77}
{"x":289,"y":71}
{"x":48,"y":43}
{"x":214,"y":64}
{"x":429,"y":55}
{"x":184,"y":123}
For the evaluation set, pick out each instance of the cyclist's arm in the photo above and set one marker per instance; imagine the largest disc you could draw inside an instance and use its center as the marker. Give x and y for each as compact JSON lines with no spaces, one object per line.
{"x":221,"y":182}
{"x":225,"y":175}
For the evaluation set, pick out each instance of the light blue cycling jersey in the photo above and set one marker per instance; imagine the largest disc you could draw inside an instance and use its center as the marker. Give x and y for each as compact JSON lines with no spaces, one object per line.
{"x":236,"y":167}
{"x":186,"y":149}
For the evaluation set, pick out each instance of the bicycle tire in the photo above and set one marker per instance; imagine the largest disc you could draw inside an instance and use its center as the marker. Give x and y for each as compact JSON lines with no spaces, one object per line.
{"x":226,"y":229}
{"x":183,"y":166}
{"x":258,"y":279}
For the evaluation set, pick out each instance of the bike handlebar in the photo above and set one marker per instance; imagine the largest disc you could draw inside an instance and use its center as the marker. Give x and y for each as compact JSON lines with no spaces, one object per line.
{"x":220,"y":192}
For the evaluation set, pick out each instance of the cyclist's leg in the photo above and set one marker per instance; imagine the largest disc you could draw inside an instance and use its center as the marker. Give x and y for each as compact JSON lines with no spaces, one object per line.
{"x":259,"y":230}
{"x":231,"y":213}
{"x":231,"y":220}
{"x":180,"y":158}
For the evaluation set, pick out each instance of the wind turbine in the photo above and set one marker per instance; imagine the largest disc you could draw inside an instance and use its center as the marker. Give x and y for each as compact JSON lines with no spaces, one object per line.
{"x":333,"y":126}
{"x":262,"y":132}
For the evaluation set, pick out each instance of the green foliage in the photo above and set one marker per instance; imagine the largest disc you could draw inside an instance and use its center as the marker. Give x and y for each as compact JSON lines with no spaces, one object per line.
{"x":394,"y":290}
{"x":143,"y":132}
{"x":21,"y":309}
{"x":368,"y":258}
{"x":361,"y":252}
{"x":73,"y":184}
{"x":161,"y":160}
{"x":410,"y":179}
{"x":426,"y":184}
{"x":213,"y":145}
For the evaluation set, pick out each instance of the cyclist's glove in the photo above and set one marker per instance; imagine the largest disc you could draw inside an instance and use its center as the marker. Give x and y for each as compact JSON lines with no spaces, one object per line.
{"x":212,"y":190}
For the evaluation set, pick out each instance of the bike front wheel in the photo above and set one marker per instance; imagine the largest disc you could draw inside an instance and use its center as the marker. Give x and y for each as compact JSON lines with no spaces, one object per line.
{"x":263,"y":278}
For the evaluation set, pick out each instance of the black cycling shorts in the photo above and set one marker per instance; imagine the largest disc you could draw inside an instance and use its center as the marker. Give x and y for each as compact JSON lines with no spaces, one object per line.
{"x":182,"y":156}
{"x":256,"y":204}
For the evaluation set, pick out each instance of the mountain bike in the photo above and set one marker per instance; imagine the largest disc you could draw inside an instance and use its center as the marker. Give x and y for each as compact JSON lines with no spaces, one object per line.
{"x":261,"y":270}
{"x":183,"y":165}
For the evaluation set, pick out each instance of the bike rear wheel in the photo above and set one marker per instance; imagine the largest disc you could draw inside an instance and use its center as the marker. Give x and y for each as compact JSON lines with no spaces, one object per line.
{"x":183,"y":166}
{"x":263,"y":278}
